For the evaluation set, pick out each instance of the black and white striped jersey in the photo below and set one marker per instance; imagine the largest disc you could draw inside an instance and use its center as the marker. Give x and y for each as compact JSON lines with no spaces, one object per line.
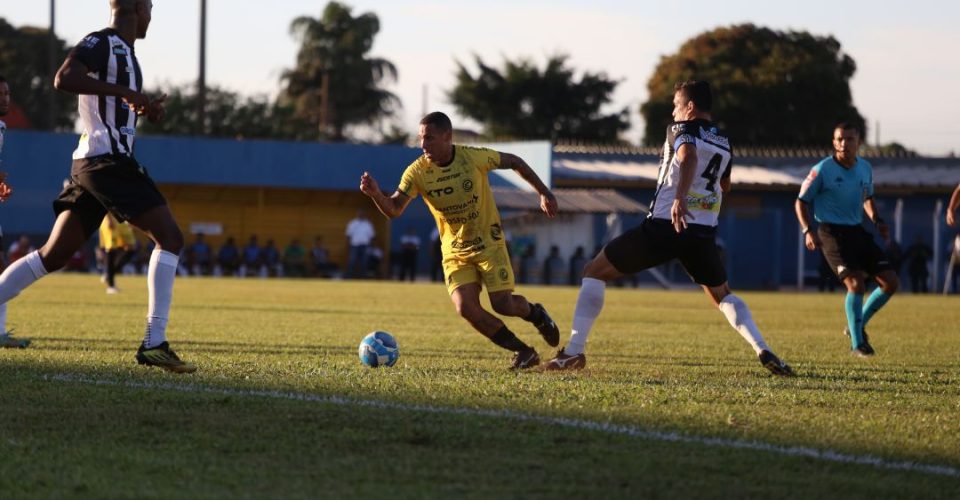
{"x":109,"y":125}
{"x":714,"y":160}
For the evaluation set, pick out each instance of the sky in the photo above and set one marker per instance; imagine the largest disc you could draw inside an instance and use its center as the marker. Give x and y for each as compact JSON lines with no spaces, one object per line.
{"x":906,"y":51}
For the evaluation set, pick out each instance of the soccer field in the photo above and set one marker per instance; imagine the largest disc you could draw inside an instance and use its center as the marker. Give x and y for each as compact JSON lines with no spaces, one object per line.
{"x":673,"y":402}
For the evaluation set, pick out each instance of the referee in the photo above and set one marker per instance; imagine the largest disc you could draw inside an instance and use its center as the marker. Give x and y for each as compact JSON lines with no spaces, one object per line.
{"x":105,"y":177}
{"x":841,"y":190}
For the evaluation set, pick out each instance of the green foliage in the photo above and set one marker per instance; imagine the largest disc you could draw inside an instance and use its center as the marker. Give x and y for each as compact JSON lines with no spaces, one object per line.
{"x":24,"y":63}
{"x":662,"y":361}
{"x":228,"y":114}
{"x":524,"y":102}
{"x":770,"y":87}
{"x":336,"y":46}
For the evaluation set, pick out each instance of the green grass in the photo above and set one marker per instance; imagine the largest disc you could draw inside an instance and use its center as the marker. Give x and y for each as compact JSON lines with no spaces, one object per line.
{"x":81,"y":419}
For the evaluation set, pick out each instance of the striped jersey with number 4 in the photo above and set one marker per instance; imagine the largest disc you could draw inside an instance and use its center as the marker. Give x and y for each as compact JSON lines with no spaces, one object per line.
{"x":714,"y":161}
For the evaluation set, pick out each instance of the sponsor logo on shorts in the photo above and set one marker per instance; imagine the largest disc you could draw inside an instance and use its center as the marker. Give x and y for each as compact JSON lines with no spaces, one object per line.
{"x":504,"y":275}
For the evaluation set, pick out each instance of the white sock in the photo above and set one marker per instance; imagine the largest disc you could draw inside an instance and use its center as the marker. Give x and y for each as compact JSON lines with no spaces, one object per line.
{"x":20,"y":275}
{"x":589,"y":305}
{"x":738,"y":314}
{"x":160,"y":274}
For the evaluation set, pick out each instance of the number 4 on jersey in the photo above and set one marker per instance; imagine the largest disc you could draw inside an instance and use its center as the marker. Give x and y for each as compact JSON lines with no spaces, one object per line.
{"x":712,"y":172}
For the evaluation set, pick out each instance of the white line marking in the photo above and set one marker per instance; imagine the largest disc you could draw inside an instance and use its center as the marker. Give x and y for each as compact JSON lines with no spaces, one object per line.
{"x":673,"y":437}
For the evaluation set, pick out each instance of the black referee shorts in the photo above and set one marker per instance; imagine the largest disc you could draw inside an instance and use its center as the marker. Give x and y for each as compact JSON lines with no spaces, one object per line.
{"x":851,"y":248}
{"x":655,"y":242}
{"x":114,"y":183}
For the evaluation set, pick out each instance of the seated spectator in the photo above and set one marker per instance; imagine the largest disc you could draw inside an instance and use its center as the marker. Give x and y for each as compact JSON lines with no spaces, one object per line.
{"x":19,"y":249}
{"x":199,"y":256}
{"x":229,"y":258}
{"x":577,"y":262}
{"x":252,"y":260}
{"x":295,"y":259}
{"x":271,"y":259}
{"x":374,"y":267}
{"x":553,"y":268}
{"x":320,"y":258}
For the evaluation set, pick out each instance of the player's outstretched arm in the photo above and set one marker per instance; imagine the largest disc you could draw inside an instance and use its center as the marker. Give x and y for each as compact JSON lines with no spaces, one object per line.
{"x":391,"y":206}
{"x":548,"y":202}
{"x":953,"y":206}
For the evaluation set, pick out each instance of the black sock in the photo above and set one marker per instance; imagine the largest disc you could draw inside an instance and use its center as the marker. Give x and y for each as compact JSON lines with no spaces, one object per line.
{"x":535,"y":316}
{"x":507,"y":340}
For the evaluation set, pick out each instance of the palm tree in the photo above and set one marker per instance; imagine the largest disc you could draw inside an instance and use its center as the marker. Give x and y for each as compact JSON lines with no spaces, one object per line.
{"x":335,"y":83}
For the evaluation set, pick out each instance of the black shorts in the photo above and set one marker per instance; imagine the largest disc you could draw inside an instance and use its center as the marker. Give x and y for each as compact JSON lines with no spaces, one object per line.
{"x":851,"y":248}
{"x":655,"y":242}
{"x":114,"y":183}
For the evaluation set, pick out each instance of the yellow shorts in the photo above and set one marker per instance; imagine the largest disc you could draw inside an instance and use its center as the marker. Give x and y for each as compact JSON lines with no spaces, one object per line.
{"x":491,"y":268}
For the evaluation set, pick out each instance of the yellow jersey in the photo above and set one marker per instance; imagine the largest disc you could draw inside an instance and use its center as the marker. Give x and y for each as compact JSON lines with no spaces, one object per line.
{"x":460,"y":199}
{"x":114,"y":234}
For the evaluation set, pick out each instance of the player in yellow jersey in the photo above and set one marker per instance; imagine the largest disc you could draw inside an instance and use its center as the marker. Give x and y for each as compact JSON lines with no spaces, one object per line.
{"x":118,"y":242}
{"x":453,"y":182}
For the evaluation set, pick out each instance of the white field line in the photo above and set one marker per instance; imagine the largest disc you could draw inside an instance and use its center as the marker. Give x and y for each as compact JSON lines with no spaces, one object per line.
{"x":609,"y":428}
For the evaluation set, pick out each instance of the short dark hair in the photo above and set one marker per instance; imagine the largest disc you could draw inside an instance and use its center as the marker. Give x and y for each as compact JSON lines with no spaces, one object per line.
{"x":697,"y":91}
{"x":439,"y":120}
{"x":846,"y":125}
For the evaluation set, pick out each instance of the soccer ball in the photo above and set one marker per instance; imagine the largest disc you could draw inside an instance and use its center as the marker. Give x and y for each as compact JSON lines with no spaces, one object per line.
{"x":379,"y":349}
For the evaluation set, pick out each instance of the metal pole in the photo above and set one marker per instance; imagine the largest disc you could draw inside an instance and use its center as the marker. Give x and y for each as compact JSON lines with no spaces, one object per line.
{"x":937,"y":210}
{"x":52,"y":67}
{"x":202,"y":80}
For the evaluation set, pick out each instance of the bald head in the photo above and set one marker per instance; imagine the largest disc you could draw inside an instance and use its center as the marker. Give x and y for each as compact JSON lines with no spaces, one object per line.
{"x":134,"y":15}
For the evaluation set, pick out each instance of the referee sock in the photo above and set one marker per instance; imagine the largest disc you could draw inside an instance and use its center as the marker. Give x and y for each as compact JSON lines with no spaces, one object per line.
{"x":160,"y":274}
{"x":740,"y":318}
{"x":507,"y":340}
{"x":874,"y":302}
{"x":589,"y":305}
{"x":854,"y":308}
{"x":20,"y":275}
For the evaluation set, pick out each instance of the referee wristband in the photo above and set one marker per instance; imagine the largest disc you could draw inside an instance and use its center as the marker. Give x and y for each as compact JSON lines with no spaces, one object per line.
{"x":806,"y":230}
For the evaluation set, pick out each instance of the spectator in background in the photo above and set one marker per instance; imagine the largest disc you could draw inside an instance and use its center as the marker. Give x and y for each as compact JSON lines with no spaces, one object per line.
{"x":359,"y":233}
{"x":119,"y":246}
{"x":553,"y":267}
{"x":295,"y":259}
{"x":577,"y":261}
{"x":436,"y":256}
{"x":252,"y":260}
{"x":229,"y":257}
{"x":409,"y":252}
{"x":320,"y":257}
{"x":917,"y":257}
{"x":200,"y":256}
{"x":374,"y":261}
{"x":271,"y":259}
{"x":19,"y":249}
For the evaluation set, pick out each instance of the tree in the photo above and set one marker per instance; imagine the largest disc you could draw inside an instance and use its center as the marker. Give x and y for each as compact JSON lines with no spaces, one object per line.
{"x":228,"y":114}
{"x":521,"y":101}
{"x":24,"y":63}
{"x":770,"y":87}
{"x":335,"y":83}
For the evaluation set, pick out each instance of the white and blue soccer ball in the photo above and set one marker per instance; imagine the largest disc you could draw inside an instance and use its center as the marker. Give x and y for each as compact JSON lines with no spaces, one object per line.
{"x":379,"y":349}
